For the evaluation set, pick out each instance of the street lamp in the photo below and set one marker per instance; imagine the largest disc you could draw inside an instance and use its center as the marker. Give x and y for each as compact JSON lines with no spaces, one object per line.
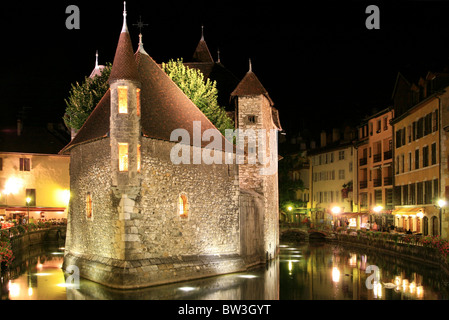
{"x":441,"y":203}
{"x":28,"y":200}
{"x":336,"y":210}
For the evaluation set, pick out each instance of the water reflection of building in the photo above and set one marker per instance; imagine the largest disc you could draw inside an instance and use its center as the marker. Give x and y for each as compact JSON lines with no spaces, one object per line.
{"x":257,"y":284}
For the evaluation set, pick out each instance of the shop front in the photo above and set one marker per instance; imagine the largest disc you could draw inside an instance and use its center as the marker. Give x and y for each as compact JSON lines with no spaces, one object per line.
{"x":351,"y":220}
{"x":421,"y":220}
{"x":20,"y":215}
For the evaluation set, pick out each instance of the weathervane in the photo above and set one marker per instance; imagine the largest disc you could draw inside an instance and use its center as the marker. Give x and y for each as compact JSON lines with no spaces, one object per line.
{"x":140,"y":24}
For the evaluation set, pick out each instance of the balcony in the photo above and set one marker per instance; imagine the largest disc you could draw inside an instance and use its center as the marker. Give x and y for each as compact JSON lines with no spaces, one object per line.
{"x":377,"y":157}
{"x":377,"y":182}
{"x":363,"y":184}
{"x":363,"y":161}
{"x":388,"y":181}
{"x":388,"y":155}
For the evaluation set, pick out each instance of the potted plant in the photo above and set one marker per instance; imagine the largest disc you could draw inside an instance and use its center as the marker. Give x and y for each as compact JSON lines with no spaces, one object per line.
{"x":347,"y":187}
{"x":6,"y":255}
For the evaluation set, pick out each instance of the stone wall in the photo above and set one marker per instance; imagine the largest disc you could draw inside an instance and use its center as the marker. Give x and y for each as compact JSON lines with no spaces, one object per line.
{"x":251,"y":176}
{"x":90,"y":172}
{"x":212,"y":223}
{"x":143,"y":241}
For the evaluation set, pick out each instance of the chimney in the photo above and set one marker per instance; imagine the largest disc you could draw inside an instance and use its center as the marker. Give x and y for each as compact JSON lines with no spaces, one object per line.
{"x":335,"y":135}
{"x":323,"y":138}
{"x":19,"y":127}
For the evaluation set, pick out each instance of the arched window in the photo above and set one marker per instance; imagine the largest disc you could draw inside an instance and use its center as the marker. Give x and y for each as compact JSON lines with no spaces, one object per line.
{"x":434,"y":221}
{"x":183,"y":206}
{"x":425,"y":226}
{"x":89,"y":205}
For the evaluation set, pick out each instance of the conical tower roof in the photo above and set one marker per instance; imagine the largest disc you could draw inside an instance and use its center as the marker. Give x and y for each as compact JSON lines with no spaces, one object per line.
{"x":124,"y":66}
{"x":202,"y":53}
{"x":250,"y":86}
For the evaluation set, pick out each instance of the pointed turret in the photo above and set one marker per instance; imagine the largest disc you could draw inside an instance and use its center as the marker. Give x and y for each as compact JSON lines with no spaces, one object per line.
{"x":98,"y":68}
{"x":140,"y":49}
{"x":202,"y":53}
{"x":124,"y":66}
{"x":250,"y":86}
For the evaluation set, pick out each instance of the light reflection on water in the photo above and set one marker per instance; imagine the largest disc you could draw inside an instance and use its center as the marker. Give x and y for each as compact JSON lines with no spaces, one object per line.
{"x":315,"y":271}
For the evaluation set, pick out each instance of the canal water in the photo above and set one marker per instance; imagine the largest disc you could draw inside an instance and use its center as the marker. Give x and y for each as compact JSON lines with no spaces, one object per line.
{"x":307,"y":271}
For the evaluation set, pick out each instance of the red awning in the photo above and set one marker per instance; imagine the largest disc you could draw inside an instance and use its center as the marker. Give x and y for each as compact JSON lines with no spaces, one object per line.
{"x":35,"y":209}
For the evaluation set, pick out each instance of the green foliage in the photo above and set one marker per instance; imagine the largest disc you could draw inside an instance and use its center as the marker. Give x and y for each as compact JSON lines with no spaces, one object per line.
{"x":287,"y":186}
{"x":203,"y":93}
{"x":84,"y":97}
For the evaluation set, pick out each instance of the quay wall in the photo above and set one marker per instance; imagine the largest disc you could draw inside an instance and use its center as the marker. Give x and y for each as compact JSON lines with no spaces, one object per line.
{"x":418,"y":253}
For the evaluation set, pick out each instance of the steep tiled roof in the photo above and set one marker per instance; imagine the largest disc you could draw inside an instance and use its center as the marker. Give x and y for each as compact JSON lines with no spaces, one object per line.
{"x":124,"y":66}
{"x":96,"y":126}
{"x":164,"y":108}
{"x":250,"y":86}
{"x":202,"y":53}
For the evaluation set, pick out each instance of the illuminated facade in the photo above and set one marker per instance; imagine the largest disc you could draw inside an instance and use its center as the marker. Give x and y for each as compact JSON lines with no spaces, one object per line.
{"x":375,"y":169}
{"x":44,"y":179}
{"x":136,"y":217}
{"x":420,"y":156}
{"x":331,"y":177}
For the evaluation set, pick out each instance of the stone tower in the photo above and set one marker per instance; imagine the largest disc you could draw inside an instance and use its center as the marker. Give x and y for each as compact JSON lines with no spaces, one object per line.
{"x":258,"y":121}
{"x":124,"y":84}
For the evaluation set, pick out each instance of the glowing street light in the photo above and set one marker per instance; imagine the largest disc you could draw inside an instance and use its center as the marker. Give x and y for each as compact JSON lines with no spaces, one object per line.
{"x":378,"y":209}
{"x":336,"y":210}
{"x":290,"y":208}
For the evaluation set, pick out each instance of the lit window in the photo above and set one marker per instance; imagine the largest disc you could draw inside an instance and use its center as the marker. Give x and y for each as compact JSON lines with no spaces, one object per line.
{"x":123,"y":156}
{"x":138,"y":157}
{"x":122,"y":99}
{"x":183,"y":206}
{"x":89,"y":205}
{"x":138,"y":101}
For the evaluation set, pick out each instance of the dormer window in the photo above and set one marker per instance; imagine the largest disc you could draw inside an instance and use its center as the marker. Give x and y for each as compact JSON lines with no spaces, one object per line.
{"x":122,"y":99}
{"x":123,"y":157}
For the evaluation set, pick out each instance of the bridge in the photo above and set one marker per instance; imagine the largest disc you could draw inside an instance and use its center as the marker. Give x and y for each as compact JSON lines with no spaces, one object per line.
{"x":301,"y":234}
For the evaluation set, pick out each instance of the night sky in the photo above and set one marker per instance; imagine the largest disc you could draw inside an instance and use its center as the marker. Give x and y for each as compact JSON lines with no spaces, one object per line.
{"x":320,"y":64}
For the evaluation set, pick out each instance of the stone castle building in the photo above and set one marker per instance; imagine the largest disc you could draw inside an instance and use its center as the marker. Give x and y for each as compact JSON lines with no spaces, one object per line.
{"x":136,"y":218}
